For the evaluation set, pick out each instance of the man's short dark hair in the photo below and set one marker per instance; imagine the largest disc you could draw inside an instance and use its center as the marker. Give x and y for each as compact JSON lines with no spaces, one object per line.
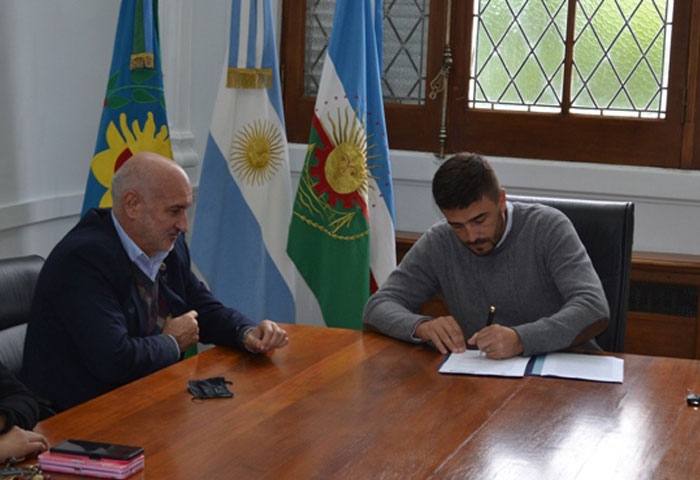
{"x":462,"y":180}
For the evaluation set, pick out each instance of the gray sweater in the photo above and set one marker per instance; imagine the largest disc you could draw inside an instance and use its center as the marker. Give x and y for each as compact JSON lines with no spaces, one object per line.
{"x":539,"y":278}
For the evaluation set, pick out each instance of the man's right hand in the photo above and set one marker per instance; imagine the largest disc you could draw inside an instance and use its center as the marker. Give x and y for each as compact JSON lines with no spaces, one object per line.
{"x":184,"y":329}
{"x":444,"y":333}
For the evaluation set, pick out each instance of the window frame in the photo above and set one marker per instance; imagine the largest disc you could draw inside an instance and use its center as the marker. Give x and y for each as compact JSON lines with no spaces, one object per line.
{"x":672,"y":142}
{"x":401,"y":119}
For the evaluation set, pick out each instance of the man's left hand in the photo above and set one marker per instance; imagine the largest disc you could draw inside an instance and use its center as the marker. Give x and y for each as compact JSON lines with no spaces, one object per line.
{"x":265,"y":337}
{"x":497,"y":341}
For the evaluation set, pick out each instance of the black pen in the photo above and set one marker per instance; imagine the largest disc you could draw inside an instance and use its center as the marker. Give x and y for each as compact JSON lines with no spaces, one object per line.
{"x":492,"y":313}
{"x":489,"y":321}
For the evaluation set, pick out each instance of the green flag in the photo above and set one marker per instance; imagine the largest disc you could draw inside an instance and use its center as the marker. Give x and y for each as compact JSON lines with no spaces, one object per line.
{"x":341,"y":236}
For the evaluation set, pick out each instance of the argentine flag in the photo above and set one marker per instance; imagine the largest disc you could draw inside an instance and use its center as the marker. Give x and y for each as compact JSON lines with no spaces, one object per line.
{"x":244,"y":199}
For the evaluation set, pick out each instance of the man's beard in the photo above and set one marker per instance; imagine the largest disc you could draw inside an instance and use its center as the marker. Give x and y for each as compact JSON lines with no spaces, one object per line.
{"x":493,"y":241}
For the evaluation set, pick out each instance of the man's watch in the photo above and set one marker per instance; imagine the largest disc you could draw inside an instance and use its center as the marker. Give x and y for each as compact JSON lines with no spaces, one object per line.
{"x":244,"y":335}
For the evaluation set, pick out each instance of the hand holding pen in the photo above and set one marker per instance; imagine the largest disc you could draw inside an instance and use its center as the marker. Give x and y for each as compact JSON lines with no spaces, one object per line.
{"x":489,"y":322}
{"x":496,"y":341}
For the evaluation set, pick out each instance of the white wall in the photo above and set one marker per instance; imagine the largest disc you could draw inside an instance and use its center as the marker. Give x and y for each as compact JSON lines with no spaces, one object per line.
{"x":55,"y":59}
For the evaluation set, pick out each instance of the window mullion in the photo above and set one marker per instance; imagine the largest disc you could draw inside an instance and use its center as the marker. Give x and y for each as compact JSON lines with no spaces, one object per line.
{"x":568,"y":57}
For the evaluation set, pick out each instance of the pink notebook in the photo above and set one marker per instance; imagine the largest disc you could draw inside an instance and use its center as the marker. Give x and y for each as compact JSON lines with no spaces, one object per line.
{"x":86,"y":466}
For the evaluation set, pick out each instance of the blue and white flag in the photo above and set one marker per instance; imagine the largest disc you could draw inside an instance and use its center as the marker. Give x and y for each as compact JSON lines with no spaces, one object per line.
{"x":244,"y":199}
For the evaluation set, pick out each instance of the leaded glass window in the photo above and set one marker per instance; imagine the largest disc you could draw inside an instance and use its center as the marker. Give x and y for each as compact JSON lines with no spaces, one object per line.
{"x":621,"y":57}
{"x":619,"y":65}
{"x":519,"y":55}
{"x":404,"y":47}
{"x":603,"y":81}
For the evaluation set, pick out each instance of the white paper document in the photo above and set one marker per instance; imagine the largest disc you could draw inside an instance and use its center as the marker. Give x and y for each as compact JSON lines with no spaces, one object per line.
{"x":597,"y":368}
{"x":473,"y":362}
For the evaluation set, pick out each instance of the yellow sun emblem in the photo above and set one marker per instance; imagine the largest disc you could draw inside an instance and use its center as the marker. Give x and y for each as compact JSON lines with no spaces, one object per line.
{"x":342,"y":171}
{"x":122,"y":145}
{"x":257,"y":151}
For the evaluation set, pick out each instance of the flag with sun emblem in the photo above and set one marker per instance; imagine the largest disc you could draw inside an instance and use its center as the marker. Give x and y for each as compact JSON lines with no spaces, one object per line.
{"x":244,"y":198}
{"x":133,"y":115}
{"x":342,"y":233}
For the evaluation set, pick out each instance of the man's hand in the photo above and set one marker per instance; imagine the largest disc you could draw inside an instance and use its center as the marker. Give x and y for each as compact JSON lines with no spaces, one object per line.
{"x":265,"y":337}
{"x":18,"y":443}
{"x":497,"y":341}
{"x":184,"y":329}
{"x":444,"y":333}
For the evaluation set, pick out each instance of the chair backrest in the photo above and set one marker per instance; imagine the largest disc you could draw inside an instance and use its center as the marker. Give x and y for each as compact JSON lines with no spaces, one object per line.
{"x":18,"y":278}
{"x":606,"y":230}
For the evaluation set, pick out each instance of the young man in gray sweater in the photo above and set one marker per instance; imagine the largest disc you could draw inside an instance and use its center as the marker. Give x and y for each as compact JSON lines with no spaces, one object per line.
{"x":525,"y":260}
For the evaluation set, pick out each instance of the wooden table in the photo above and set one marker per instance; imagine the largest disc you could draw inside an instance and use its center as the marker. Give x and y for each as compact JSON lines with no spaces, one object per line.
{"x":347,"y":404}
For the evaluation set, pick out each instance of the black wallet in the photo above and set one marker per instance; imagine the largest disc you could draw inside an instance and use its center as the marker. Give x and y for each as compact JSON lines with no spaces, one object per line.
{"x":214,"y":387}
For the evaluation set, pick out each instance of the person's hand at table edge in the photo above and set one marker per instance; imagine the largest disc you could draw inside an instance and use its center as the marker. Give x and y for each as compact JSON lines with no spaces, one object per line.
{"x":265,"y":337}
{"x":444,"y":333}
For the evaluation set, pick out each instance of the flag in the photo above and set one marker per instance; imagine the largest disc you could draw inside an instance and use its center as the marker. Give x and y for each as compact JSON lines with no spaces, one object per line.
{"x":133,"y":115}
{"x":245,"y":195}
{"x":341,"y":236}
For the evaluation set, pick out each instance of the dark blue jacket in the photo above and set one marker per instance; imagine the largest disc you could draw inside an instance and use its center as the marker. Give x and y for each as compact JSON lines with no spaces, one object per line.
{"x":86,"y":331}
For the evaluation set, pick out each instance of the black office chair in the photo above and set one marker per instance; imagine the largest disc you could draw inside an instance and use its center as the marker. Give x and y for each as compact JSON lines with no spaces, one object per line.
{"x":606,"y":230}
{"x":18,"y":278}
